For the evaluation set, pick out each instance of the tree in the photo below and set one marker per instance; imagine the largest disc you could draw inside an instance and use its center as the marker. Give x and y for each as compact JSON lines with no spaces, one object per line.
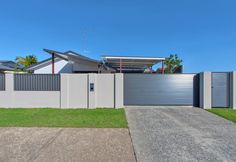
{"x":172,"y":63}
{"x":24,"y":62}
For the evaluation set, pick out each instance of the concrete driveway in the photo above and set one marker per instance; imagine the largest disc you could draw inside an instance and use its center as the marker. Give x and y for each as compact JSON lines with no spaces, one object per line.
{"x":181,"y":134}
{"x":65,"y":145}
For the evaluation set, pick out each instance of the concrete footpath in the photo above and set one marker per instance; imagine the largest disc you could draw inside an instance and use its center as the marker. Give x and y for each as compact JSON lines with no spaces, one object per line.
{"x":65,"y":144}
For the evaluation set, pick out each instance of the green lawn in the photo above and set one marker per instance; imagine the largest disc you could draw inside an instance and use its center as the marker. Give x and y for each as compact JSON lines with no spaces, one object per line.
{"x":226,"y":113}
{"x":46,"y":117}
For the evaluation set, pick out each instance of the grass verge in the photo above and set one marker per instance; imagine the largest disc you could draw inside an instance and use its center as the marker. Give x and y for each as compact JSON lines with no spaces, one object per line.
{"x":47,"y":117}
{"x":226,"y":113}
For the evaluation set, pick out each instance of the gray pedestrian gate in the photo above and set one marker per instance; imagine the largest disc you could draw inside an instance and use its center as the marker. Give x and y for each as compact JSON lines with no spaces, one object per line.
{"x":220,"y":89}
{"x":159,"y":89}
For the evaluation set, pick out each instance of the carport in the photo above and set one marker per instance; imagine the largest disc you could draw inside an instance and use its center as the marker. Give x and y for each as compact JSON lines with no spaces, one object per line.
{"x":133,"y":64}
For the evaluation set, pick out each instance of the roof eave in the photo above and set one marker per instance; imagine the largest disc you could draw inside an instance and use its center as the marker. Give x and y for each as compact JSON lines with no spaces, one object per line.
{"x":58,"y":54}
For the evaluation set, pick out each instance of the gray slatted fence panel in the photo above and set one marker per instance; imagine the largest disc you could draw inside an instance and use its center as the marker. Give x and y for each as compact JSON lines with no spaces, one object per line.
{"x":37,"y":82}
{"x":2,"y":82}
{"x":220,"y":89}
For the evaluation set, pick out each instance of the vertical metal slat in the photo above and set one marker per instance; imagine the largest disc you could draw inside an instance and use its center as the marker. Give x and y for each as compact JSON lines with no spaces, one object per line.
{"x":36,"y":82}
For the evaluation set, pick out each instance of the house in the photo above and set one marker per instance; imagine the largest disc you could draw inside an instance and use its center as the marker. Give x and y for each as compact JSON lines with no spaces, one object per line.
{"x":6,"y":65}
{"x":72,"y":62}
{"x":67,"y":62}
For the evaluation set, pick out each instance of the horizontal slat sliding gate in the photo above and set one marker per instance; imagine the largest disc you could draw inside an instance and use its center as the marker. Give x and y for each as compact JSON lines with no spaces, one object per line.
{"x":220,"y":89}
{"x":159,"y":89}
{"x":37,"y":82}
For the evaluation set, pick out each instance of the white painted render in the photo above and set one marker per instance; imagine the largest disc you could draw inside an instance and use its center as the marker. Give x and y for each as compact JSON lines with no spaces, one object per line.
{"x":105,"y":90}
{"x":61,"y":66}
{"x":38,"y":99}
{"x":74,"y":91}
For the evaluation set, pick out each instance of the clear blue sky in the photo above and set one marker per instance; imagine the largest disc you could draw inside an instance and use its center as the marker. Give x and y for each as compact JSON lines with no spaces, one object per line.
{"x":201,"y":32}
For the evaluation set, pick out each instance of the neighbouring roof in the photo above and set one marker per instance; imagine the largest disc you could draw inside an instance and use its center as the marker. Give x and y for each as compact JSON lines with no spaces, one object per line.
{"x":7,"y":62}
{"x":3,"y":67}
{"x":131,"y":62}
{"x":4,"y":61}
{"x":7,"y":65}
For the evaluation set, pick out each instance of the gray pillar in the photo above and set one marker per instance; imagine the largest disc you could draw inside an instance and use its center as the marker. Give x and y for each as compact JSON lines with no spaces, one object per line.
{"x":233,"y":90}
{"x":205,"y":90}
{"x":119,"y":90}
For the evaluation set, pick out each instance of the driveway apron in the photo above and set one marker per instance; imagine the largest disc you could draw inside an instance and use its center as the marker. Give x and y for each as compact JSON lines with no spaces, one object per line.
{"x":180,"y":134}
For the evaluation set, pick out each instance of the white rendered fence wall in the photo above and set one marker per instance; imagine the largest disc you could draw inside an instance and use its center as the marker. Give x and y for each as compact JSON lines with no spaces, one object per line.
{"x":27,"y":99}
{"x":74,"y":92}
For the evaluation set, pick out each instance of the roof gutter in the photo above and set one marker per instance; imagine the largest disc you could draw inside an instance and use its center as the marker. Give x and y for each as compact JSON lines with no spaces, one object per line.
{"x":135,"y":57}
